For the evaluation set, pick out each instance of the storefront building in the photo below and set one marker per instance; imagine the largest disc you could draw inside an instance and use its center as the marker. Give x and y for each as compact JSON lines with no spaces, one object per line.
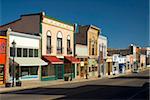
{"x":58,"y":42}
{"x":28,"y":62}
{"x":3,"y":56}
{"x":90,"y":34}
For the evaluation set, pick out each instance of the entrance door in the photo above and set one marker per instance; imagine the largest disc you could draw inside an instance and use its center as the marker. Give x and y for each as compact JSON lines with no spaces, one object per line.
{"x":60,"y":71}
{"x":1,"y":74}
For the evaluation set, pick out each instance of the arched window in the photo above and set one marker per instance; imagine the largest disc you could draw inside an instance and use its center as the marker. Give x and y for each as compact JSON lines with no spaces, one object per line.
{"x":48,"y":42}
{"x":68,"y":45}
{"x":59,"y":43}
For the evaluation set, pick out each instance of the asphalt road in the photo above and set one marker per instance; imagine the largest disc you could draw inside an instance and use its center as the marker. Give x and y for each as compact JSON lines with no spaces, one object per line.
{"x":129,"y":87}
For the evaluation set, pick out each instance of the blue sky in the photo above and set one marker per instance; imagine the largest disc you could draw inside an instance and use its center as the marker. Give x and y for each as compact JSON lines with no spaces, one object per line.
{"x":122,"y":21}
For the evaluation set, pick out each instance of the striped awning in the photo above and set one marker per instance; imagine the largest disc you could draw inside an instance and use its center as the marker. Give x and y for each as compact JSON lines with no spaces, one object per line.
{"x":30,"y":61}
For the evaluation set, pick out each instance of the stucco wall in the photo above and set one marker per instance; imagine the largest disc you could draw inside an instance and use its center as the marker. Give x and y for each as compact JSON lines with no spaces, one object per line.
{"x":81,"y":50}
{"x":23,"y":40}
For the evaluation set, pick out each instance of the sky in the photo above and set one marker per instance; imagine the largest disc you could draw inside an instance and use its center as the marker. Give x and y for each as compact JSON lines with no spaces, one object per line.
{"x":122,"y":21}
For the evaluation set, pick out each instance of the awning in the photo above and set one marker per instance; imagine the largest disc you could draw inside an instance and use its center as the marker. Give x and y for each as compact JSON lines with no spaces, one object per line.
{"x":52,"y":59}
{"x":72,"y":59}
{"x":30,"y":62}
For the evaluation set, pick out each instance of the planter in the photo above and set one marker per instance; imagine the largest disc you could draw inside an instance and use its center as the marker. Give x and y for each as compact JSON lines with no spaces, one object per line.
{"x":66,"y":78}
{"x":18,"y":83}
{"x":8,"y":84}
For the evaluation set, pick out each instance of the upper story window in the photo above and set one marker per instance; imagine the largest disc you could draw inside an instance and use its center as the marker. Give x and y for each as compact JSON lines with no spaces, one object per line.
{"x":59,"y":43}
{"x":19,"y":52}
{"x":35,"y":52}
{"x":49,"y":48}
{"x":30,"y":52}
{"x":24,"y":52}
{"x":69,"y":51}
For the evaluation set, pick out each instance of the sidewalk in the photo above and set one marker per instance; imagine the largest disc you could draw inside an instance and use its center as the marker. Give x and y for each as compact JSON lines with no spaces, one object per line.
{"x":36,"y":84}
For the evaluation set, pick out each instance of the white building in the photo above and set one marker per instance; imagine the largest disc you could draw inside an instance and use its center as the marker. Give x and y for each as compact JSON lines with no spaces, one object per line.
{"x":27,"y":59}
{"x":119,"y":63}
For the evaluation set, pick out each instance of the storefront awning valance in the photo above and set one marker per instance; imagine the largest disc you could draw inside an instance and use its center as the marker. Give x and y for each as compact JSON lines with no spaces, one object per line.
{"x":52,"y":59}
{"x":72,"y":59}
{"x":30,"y":62}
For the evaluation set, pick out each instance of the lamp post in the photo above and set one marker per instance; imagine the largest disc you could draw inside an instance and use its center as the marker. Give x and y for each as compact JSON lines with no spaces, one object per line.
{"x":13,"y":68}
{"x":99,"y":75}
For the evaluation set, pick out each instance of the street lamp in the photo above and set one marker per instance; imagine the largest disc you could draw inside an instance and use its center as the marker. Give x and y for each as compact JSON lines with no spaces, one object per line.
{"x":13,"y":68}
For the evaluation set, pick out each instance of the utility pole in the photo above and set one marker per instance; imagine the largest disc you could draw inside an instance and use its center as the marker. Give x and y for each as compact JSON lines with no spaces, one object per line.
{"x":99,"y":69}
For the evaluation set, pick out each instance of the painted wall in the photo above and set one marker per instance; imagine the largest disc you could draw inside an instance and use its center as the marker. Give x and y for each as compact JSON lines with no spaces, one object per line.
{"x":81,"y":50}
{"x":3,"y":56}
{"x":54,"y":27}
{"x":93,"y":35}
{"x":24,"y":40}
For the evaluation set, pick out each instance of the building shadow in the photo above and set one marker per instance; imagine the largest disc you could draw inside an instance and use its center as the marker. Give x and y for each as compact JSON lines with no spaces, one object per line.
{"x":132,"y":77}
{"x":91,"y":92}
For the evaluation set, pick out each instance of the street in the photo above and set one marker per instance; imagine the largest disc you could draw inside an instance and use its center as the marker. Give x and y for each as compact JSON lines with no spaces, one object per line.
{"x":134,"y":86}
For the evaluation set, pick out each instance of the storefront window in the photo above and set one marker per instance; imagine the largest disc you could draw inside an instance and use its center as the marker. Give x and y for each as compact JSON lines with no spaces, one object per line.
{"x":51,"y":71}
{"x":44,"y":71}
{"x":33,"y":70}
{"x":29,"y":70}
{"x":48,"y":70}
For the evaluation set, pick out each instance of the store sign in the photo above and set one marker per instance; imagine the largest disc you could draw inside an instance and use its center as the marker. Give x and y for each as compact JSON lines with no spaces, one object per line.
{"x":82,"y":63}
{"x":2,"y":46}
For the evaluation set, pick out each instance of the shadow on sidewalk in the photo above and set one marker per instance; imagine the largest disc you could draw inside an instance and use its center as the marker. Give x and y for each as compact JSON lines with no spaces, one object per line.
{"x":90,"y":92}
{"x":131,"y":77}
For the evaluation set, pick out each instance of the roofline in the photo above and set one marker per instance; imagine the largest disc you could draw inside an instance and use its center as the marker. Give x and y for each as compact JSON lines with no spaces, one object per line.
{"x":58,"y":20}
{"x":31,"y":14}
{"x":94,"y":27}
{"x":10,"y":22}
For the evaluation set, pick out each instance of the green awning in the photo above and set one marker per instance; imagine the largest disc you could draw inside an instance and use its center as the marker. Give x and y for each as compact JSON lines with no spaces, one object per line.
{"x":30,"y":61}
